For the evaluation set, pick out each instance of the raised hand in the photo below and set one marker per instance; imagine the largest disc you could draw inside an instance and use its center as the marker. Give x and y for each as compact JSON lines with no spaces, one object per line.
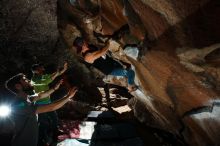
{"x":65,"y":66}
{"x":72,"y":92}
{"x":108,"y":43}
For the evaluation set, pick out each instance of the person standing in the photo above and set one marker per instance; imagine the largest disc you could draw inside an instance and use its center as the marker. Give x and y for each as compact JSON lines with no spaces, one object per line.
{"x":24,"y":110}
{"x":48,"y":122}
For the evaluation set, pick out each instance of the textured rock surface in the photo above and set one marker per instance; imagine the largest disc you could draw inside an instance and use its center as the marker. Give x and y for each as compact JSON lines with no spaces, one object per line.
{"x":29,"y":34}
{"x":178,"y":80}
{"x":177,"y":68}
{"x":28,"y":28}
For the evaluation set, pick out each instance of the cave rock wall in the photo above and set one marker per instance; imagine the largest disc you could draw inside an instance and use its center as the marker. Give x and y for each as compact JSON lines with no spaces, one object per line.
{"x":174,"y":68}
{"x":177,"y":68}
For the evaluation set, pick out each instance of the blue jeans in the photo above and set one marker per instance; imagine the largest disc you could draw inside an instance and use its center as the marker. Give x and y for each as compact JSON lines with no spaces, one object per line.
{"x":129,"y":73}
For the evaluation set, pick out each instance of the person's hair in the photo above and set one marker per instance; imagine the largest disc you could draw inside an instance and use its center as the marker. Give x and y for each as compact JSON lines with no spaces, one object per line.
{"x":10,"y":83}
{"x":78,"y":43}
{"x":34,"y":67}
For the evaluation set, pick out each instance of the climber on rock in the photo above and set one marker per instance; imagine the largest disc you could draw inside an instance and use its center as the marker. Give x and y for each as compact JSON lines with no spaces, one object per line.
{"x":107,"y":65}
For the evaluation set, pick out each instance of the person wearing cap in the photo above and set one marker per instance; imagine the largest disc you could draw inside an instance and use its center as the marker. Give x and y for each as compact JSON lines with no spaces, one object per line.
{"x":48,"y":122}
{"x":108,"y":66}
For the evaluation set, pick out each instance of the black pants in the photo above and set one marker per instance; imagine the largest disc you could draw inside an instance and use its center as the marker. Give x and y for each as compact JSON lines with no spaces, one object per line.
{"x":48,"y":128}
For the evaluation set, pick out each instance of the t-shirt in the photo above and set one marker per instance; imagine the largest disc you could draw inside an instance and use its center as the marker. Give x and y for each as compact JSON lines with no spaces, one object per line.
{"x":105,"y":65}
{"x":25,"y":122}
{"x":41,"y":83}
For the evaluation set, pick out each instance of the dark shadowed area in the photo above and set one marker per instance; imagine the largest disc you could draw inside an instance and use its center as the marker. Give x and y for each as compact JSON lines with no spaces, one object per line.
{"x":177,"y":73}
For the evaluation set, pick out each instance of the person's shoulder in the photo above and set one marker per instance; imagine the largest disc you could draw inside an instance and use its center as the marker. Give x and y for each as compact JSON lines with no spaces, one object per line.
{"x":34,"y":77}
{"x":46,"y":75}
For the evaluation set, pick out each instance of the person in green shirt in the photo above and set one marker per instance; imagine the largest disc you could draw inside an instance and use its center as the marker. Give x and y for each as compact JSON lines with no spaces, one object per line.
{"x":41,"y":81}
{"x":48,"y":122}
{"x":24,"y":113}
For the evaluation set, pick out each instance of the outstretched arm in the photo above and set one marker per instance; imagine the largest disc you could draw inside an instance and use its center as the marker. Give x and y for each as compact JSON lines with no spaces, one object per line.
{"x":59,"y":72}
{"x":48,"y":92}
{"x":91,"y":57}
{"x":57,"y":104}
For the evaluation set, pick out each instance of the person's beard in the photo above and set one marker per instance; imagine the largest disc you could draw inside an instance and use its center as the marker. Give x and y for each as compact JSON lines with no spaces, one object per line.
{"x":29,"y":90}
